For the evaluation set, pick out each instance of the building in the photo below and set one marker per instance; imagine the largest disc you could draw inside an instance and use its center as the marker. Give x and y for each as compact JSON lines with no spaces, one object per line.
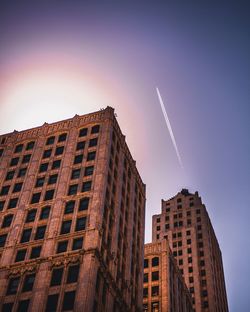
{"x":164,"y":288}
{"x":72,"y":212}
{"x":184,"y":221}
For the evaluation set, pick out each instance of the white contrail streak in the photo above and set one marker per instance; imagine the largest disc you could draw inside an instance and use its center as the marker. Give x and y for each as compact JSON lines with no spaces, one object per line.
{"x":169,"y":127}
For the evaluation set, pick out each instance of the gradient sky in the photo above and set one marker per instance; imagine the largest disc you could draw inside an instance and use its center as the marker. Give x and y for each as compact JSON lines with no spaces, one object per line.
{"x":61,"y":58}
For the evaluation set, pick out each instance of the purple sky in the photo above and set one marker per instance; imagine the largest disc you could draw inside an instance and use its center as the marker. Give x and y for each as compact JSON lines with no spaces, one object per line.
{"x":59,"y":58}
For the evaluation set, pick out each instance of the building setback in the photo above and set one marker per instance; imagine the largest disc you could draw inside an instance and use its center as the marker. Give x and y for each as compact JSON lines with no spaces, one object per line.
{"x":164,"y":288}
{"x":72,"y":210}
{"x":184,"y":221}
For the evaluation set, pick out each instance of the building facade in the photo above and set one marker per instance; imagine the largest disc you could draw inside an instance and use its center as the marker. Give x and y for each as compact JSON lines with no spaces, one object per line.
{"x":164,"y":288}
{"x":72,"y":212}
{"x":184,"y":221}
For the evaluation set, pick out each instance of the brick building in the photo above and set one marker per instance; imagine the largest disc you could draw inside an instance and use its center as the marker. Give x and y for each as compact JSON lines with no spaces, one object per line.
{"x":184,"y":221}
{"x":164,"y":288}
{"x":72,"y":210}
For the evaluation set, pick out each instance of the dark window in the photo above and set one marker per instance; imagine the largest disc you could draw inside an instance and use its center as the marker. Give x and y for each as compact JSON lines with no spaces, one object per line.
{"x":155,"y":261}
{"x":10,"y":175}
{"x":73,"y":273}
{"x":7,"y":307}
{"x":35,"y":198}
{"x":145,"y":278}
{"x":50,"y":140}
{"x":190,"y":260}
{"x":69,"y":207}
{"x":72,"y":189}
{"x":28,"y":282}
{"x":155,"y":276}
{"x":203,"y":272}
{"x":62,"y":246}
{"x":68,"y":300}
{"x":62,"y":137}
{"x":1,"y":152}
{"x":190,"y":269}
{"x":26,"y":235}
{"x":47,"y":153}
{"x":40,"y":232}
{"x":93,"y":142}
{"x":14,"y":161}
{"x":52,"y":303}
{"x":95,"y":129}
{"x":43,"y":167}
{"x":20,"y":255}
{"x":30,"y":145}
{"x":56,"y":164}
{"x":155,"y":291}
{"x":45,"y":213}
{"x":22,"y":172}
{"x":7,"y":221}
{"x":53,"y":179}
{"x":19,"y":148}
{"x":56,"y":278}
{"x":86,"y":186}
{"x":89,"y":170}
{"x":5,"y":190}
{"x":145,"y":292}
{"x":78,"y":159}
{"x":49,"y":195}
{"x":83,"y":132}
{"x":204,"y":293}
{"x":80,"y":224}
{"x":189,"y":241}
{"x":26,"y":158}
{"x":59,"y":150}
{"x":35,"y":252}
{"x":66,"y":225}
{"x":145,"y":263}
{"x":198,"y":211}
{"x":189,"y":250}
{"x":84,"y":204}
{"x":2,"y":202}
{"x":17,"y":187}
{"x":3,"y":240}
{"x":80,"y":145}
{"x":191,"y":279}
{"x":13,"y":285}
{"x":91,"y":156}
{"x":40,"y":182}
{"x":75,"y":174}
{"x":23,"y":305}
{"x":77,"y":243}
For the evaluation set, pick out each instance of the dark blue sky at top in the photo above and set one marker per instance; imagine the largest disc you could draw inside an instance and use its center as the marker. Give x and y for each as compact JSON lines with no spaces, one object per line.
{"x":197,"y":53}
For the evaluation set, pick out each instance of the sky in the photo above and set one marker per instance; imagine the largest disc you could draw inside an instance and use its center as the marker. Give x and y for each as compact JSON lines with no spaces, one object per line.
{"x":61,"y":58}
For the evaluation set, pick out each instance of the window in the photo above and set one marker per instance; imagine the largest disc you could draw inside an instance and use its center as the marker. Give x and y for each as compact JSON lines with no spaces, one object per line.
{"x":68,"y":301}
{"x":35,"y":198}
{"x":155,"y":307}
{"x":200,"y":244}
{"x":180,"y":261}
{"x":23,"y":305}
{"x":66,"y":225}
{"x":2,"y":202}
{"x":43,"y":167}
{"x":5,"y":190}
{"x":145,"y":292}
{"x":203,"y":272}
{"x":7,"y":221}
{"x":30,"y":145}
{"x":155,"y":276}
{"x":72,"y":189}
{"x":47,"y":153}
{"x":80,"y":145}
{"x":191,"y":289}
{"x":69,"y":207}
{"x":10,"y":175}
{"x":3,"y":240}
{"x":45,"y":213}
{"x":59,"y":150}
{"x":190,"y":260}
{"x":12,"y":203}
{"x":13,"y":285}
{"x":26,"y":235}
{"x":62,"y":246}
{"x":28,"y":282}
{"x":62,"y":137}
{"x":50,"y":140}
{"x":7,"y":307}
{"x":84,"y":204}
{"x":35,"y":252}
{"x":73,"y":273}
{"x":83,"y":132}
{"x":1,"y":152}
{"x":22,"y":172}
{"x":190,"y":269}
{"x":158,"y":228}
{"x":204,"y":293}
{"x":155,"y":291}
{"x":179,"y":252}
{"x":49,"y":195}
{"x":191,"y":279}
{"x":14,"y":161}
{"x":77,"y":243}
{"x":40,"y":232}
{"x":56,"y":278}
{"x":93,"y":142}
{"x":56,"y":164}
{"x":155,"y":261}
{"x":189,"y":241}
{"x":52,"y":303}
{"x":89,"y":170}
{"x":91,"y":156}
{"x":18,"y":148}
{"x":26,"y":158}
{"x":75,"y":174}
{"x":198,"y":211}
{"x":202,"y":262}
{"x":145,"y":263}
{"x":95,"y":129}
{"x":17,"y":187}
{"x":20,"y":255}
{"x":145,"y":278}
{"x":78,"y":159}
{"x":86,"y":186}
{"x":53,"y":179}
{"x":80,"y":224}
{"x":189,"y":250}
{"x":40,"y":182}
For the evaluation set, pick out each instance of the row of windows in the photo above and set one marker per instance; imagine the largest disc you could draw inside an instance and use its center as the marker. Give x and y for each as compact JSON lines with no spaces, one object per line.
{"x":155,"y":307}
{"x":25,"y":159}
{"x":11,"y":204}
{"x":10,"y":174}
{"x":154,"y":276}
{"x":29,"y":146}
{"x":154,"y":262}
{"x":5,"y":189}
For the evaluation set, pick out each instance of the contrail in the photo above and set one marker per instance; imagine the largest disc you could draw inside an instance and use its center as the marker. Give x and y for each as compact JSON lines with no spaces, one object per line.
{"x":169,"y":127}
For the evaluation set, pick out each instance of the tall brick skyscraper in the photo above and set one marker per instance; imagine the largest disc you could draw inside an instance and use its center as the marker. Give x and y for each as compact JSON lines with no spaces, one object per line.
{"x":72,"y":207}
{"x":184,"y":221}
